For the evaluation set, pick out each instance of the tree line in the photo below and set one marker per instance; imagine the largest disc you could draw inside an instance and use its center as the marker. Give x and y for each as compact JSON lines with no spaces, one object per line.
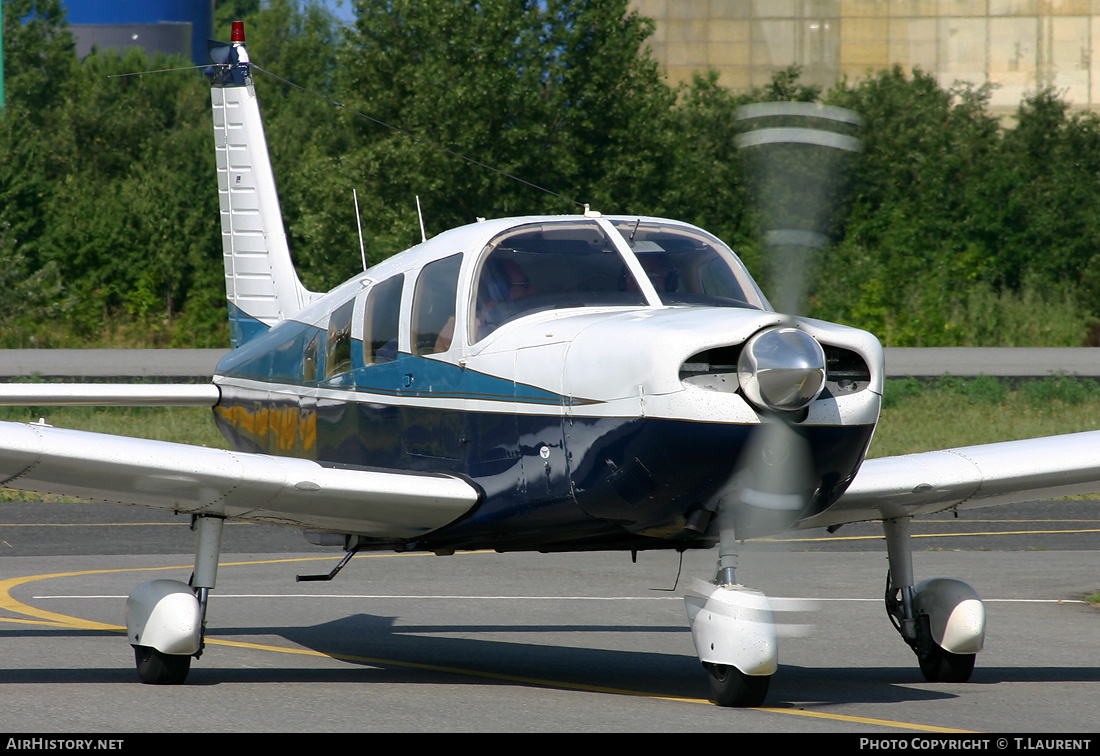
{"x":960,"y":229}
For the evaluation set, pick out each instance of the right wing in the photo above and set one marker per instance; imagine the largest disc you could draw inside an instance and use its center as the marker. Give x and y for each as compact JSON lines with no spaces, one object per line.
{"x":972,"y":476}
{"x":196,"y":479}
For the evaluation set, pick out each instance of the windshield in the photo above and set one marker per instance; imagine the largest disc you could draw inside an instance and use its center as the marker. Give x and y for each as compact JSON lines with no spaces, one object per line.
{"x":688,"y":266}
{"x":547,"y":266}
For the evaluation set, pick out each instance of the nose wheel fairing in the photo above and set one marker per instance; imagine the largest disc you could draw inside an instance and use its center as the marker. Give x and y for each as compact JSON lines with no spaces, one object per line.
{"x":734,"y":626}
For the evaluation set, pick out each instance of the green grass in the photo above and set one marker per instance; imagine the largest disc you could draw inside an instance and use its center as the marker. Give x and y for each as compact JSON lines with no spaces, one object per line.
{"x":185,"y":425}
{"x":922,"y":416}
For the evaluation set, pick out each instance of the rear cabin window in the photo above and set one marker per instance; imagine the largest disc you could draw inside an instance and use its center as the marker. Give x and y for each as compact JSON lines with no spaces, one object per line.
{"x":434,"y":305}
{"x":338,"y":353}
{"x":381,"y":317}
{"x":687,"y":266}
{"x":547,"y":267}
{"x":309,"y":358}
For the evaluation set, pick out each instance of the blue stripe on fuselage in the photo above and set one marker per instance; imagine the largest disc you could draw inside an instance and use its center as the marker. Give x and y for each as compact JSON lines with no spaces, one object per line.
{"x":279,"y":357}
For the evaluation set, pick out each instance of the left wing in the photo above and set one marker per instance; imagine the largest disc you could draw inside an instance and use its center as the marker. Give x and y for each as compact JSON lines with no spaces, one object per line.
{"x":200,"y":480}
{"x":109,"y":394}
{"x":972,"y":476}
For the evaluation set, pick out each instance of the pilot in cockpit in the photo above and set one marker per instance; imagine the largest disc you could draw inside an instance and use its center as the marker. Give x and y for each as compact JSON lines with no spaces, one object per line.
{"x":658,"y":270}
{"x":503,"y":281}
{"x":506,"y":282}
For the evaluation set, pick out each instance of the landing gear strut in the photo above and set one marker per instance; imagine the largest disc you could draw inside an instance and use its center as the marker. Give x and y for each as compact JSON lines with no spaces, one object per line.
{"x":165,"y":619}
{"x":942,"y":619}
{"x":734,"y":633}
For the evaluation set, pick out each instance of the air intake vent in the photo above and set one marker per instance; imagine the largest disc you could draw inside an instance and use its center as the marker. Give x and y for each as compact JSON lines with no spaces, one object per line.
{"x":842,"y":363}
{"x":714,"y":369}
{"x":845,"y":371}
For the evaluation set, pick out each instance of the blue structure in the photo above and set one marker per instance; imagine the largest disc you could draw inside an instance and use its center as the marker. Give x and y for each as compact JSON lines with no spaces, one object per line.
{"x":166,"y":26}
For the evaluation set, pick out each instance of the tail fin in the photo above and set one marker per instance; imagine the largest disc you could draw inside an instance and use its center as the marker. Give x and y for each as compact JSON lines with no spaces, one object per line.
{"x":260,"y":281}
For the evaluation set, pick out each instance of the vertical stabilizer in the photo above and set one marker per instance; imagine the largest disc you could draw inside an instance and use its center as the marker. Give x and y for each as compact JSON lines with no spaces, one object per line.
{"x":260,"y":280}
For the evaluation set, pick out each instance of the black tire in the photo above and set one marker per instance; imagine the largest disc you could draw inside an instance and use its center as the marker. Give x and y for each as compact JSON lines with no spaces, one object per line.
{"x":157,"y":668}
{"x":938,"y":665}
{"x":729,"y":686}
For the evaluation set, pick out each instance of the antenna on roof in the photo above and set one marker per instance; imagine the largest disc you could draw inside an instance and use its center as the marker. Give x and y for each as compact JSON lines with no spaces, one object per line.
{"x":359,"y":224}
{"x":420,"y":215}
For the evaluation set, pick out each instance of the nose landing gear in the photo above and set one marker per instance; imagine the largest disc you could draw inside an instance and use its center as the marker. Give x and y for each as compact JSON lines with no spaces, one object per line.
{"x":734,"y":631}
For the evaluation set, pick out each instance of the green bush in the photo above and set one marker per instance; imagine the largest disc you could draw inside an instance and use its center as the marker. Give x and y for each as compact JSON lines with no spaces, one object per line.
{"x":898,"y":390}
{"x":1059,"y":388}
{"x":985,"y":389}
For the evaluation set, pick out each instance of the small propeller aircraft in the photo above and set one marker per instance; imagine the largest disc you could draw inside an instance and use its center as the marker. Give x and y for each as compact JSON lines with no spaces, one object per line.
{"x":549,"y":383}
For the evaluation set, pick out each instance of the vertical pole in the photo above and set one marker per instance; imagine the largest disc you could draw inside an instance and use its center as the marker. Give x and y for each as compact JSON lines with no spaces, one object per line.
{"x":359,"y":225}
{"x":3,"y":97}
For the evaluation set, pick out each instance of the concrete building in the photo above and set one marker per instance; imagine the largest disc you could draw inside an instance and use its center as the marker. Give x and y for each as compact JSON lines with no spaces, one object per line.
{"x":173,"y":27}
{"x":1017,"y":45}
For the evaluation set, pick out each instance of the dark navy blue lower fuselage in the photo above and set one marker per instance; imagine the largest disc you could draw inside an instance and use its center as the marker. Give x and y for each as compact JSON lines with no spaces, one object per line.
{"x":548,"y":481}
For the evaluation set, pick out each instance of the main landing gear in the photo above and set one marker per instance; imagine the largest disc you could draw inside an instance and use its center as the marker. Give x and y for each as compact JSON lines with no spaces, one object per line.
{"x":942,"y":619}
{"x":165,"y":619}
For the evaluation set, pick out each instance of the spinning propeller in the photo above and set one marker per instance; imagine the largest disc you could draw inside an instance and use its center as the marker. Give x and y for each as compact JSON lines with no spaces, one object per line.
{"x":794,"y":158}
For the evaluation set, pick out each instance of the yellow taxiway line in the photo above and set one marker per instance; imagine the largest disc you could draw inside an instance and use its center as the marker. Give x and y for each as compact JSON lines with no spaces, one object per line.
{"x":930,"y":535}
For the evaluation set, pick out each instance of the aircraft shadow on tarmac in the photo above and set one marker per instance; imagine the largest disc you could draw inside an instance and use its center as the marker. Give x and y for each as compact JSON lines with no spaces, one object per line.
{"x":378,"y":650}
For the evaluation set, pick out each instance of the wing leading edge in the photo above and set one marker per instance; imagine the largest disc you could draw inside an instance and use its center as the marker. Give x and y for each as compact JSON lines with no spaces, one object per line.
{"x":200,"y":480}
{"x":972,"y":476}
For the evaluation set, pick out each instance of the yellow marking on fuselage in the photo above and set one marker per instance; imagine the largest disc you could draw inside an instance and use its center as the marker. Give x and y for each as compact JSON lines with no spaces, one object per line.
{"x":285,"y":429}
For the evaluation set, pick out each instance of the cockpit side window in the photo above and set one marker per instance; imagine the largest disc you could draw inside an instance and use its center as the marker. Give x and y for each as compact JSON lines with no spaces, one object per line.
{"x":338,"y":354}
{"x":688,"y":266}
{"x":434,"y":305}
{"x":549,"y":266}
{"x":381,"y":316}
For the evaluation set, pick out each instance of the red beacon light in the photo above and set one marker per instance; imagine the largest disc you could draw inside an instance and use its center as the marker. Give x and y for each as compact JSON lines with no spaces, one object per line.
{"x":237,"y":34}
